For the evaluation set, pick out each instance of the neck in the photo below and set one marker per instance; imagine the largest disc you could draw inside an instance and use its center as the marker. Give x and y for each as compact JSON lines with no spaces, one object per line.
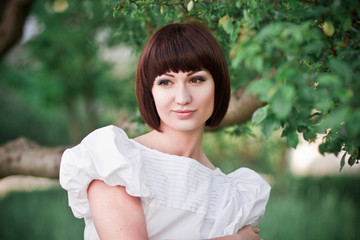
{"x":181,"y":143}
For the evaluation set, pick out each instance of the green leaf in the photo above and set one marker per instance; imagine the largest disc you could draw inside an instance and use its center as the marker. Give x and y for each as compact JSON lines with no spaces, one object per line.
{"x":270,"y":125}
{"x":322,"y":149}
{"x":292,"y":139}
{"x":293,"y":4}
{"x":328,"y":28}
{"x":227,"y":24}
{"x":282,"y":101}
{"x":259,"y":115}
{"x":285,"y":72}
{"x":342,"y":162}
{"x":309,"y":135}
{"x":323,"y":100}
{"x":315,"y":47}
{"x":260,"y":86}
{"x":351,"y":160}
{"x":347,"y":24}
{"x":341,"y":68}
{"x":334,"y":119}
{"x":235,"y":32}
{"x":329,"y":80}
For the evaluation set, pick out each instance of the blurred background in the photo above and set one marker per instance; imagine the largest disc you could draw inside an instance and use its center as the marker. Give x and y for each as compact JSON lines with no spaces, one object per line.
{"x":73,"y":71}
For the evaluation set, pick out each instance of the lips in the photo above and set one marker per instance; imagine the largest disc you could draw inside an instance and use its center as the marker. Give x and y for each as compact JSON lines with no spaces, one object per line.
{"x":184,"y":113}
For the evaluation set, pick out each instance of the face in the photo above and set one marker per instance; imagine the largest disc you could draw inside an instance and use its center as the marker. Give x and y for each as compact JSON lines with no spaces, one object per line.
{"x":184,"y":100}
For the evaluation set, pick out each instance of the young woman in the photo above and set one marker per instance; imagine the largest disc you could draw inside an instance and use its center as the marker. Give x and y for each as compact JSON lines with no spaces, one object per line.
{"x":161,"y":185}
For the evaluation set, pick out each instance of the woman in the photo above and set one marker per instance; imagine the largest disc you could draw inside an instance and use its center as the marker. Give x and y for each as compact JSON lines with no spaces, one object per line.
{"x":161,"y":185}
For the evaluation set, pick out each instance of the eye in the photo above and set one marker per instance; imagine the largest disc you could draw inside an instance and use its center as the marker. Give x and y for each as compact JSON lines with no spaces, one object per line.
{"x":164,"y":82}
{"x":197,"y":80}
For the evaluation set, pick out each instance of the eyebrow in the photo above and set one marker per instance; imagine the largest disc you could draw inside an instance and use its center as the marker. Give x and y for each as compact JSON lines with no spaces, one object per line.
{"x":168,"y":74}
{"x":189,"y":74}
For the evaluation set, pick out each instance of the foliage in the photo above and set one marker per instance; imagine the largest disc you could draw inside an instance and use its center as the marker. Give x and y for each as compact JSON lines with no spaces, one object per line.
{"x":306,"y":52}
{"x":62,"y":70}
{"x":21,"y":106}
{"x":244,"y":146}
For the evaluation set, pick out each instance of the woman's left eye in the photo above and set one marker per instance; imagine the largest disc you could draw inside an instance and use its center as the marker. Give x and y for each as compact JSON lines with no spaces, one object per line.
{"x":197,"y":80}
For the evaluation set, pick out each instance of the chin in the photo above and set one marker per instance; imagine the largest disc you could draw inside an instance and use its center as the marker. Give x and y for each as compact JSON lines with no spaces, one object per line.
{"x":184,"y":127}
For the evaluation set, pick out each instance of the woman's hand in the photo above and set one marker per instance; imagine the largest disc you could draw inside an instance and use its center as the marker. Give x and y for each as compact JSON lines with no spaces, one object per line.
{"x":249,"y":233}
{"x":246,"y":233}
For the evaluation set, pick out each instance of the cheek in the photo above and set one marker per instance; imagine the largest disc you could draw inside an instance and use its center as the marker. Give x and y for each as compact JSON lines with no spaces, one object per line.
{"x":160,"y":99}
{"x":208,"y":98}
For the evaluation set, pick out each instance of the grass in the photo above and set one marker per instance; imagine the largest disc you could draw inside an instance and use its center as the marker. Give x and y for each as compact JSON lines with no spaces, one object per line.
{"x":313,"y":208}
{"x":38,"y":215}
{"x":306,"y":208}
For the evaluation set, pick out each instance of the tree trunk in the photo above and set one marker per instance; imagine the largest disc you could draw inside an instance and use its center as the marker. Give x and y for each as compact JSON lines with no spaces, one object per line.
{"x":13,"y":14}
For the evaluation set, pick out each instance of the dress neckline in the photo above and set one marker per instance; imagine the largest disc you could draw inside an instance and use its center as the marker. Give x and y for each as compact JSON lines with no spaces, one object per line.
{"x":177,"y":157}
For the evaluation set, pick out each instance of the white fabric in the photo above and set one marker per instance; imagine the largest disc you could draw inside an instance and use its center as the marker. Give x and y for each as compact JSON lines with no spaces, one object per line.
{"x":181,"y":198}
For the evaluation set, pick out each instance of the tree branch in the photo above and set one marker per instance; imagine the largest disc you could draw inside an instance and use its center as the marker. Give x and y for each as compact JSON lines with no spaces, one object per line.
{"x":241,"y":108}
{"x":22,"y":156}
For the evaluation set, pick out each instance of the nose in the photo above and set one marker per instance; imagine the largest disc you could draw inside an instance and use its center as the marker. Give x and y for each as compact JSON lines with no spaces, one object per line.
{"x":183,"y":95}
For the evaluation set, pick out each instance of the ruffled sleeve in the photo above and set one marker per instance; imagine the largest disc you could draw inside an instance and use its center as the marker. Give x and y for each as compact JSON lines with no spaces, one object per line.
{"x":106,"y":154}
{"x":248,"y":196}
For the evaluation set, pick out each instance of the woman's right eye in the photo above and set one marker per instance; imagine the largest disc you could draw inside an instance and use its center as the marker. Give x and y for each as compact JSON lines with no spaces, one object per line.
{"x":164,"y":82}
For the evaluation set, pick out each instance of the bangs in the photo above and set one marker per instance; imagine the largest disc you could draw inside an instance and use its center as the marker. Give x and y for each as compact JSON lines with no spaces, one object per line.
{"x":179,"y":50}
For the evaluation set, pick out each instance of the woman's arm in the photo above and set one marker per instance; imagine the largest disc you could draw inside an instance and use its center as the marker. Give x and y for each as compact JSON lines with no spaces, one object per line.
{"x":115,"y":213}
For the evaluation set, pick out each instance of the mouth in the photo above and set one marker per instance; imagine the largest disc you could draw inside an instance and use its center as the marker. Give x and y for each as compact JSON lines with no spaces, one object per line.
{"x":184,"y":114}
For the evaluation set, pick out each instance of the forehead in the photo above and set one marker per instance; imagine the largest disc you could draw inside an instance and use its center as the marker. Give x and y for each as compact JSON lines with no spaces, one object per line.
{"x":185,"y":73}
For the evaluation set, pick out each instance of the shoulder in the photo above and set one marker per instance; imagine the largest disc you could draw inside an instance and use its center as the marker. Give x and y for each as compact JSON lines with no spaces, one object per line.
{"x":105,"y":135}
{"x":248,"y":180}
{"x":246,"y":202}
{"x":101,"y":143}
{"x":106,"y":154}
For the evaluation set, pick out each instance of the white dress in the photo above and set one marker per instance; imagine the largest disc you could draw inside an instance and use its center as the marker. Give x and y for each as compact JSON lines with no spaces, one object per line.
{"x":181,"y":198}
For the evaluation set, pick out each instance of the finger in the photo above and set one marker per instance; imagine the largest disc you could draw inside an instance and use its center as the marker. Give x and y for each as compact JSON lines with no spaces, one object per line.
{"x":256,"y":230}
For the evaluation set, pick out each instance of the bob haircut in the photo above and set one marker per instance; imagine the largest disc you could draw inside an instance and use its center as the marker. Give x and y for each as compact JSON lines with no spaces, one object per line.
{"x":181,"y":47}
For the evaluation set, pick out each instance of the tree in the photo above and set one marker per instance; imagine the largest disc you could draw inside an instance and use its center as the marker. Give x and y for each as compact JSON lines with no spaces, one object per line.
{"x":13,"y":14}
{"x":306,"y":52}
{"x":300,"y":58}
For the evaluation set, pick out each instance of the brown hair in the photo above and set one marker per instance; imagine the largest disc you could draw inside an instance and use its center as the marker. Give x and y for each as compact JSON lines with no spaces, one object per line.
{"x":181,"y":47}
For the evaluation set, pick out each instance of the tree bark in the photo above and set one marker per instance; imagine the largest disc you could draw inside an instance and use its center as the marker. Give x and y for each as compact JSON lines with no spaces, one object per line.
{"x":241,"y":108}
{"x":13,"y":14}
{"x":24,"y":157}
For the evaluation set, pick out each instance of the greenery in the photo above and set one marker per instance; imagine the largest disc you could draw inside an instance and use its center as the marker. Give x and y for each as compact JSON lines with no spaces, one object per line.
{"x":313,"y":208}
{"x":304,"y":55}
{"x":307,"y":208}
{"x":306,"y":52}
{"x":38,"y":215}
{"x":65,"y":87}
